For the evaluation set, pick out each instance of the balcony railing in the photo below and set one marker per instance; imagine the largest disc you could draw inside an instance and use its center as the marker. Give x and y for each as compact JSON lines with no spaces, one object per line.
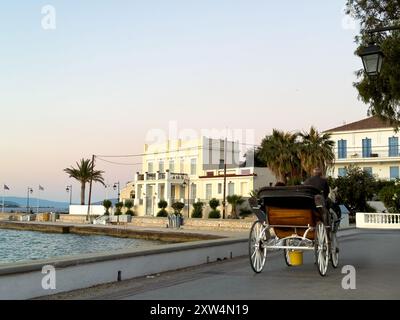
{"x":162,"y":176}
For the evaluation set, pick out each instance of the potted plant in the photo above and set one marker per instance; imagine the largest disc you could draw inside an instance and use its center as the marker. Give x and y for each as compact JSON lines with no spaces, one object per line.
{"x":178,"y":206}
{"x":162,"y":205}
{"x":214,"y":213}
{"x":107,"y":204}
{"x":197,"y":210}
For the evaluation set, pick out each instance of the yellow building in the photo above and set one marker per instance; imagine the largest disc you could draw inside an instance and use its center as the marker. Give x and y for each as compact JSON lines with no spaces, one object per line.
{"x":371,"y":144}
{"x":192,"y":170}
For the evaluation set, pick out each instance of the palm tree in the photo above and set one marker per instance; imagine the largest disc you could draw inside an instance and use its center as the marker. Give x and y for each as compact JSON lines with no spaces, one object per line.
{"x":316,"y":150}
{"x":235,"y":201}
{"x":84,"y":173}
{"x":280,"y":153}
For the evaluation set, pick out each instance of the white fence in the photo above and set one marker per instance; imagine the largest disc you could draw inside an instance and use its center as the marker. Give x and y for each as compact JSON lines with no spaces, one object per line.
{"x":378,"y":220}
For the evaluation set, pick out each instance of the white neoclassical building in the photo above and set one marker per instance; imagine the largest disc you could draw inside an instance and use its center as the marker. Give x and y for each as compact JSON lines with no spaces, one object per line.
{"x":190,"y":171}
{"x":371,"y":144}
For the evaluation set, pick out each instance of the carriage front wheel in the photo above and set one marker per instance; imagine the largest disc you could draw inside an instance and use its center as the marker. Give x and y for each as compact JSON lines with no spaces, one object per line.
{"x":321,"y":248}
{"x":259,"y":235}
{"x":334,"y":250}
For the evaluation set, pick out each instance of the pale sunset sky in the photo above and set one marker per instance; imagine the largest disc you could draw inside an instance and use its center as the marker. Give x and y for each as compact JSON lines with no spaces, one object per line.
{"x":113,"y":70}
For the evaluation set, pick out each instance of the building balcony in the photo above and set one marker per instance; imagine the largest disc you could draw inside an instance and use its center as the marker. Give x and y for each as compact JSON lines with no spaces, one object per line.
{"x":374,"y":157}
{"x":177,"y":178}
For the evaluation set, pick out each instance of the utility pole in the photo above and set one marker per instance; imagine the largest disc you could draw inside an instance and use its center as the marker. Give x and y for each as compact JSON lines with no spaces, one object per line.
{"x":90,"y":189}
{"x":224,"y":193}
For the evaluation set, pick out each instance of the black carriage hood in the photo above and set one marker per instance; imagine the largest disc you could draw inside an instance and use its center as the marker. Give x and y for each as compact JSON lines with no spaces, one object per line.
{"x":300,"y":197}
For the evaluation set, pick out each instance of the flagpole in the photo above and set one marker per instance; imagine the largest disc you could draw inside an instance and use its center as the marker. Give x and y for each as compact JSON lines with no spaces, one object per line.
{"x":37,"y":201}
{"x":4,"y":191}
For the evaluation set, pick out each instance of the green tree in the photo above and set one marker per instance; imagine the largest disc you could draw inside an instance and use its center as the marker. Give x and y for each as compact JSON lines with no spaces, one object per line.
{"x":280,"y":152}
{"x":83,"y":173}
{"x":197,"y":210}
{"x":214,"y":213}
{"x":381,"y":94}
{"x":129,"y":206}
{"x":118,"y":207}
{"x":178,"y":207}
{"x":316,"y":150}
{"x":235,"y":201}
{"x":355,"y":189}
{"x":107,"y":204}
{"x":162,"y":205}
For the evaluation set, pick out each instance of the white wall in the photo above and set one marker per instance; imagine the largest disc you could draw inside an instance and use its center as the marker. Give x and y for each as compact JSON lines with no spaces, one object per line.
{"x":15,"y":283}
{"x":82,"y":210}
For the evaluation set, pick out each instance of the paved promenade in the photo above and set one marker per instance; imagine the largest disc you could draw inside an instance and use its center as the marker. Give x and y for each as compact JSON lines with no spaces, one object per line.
{"x":374,"y":254}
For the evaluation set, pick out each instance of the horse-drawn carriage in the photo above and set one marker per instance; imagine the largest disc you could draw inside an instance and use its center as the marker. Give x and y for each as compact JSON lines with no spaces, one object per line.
{"x":293,"y":219}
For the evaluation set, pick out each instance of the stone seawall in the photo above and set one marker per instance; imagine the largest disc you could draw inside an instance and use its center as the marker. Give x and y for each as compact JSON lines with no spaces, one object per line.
{"x":169,"y":235}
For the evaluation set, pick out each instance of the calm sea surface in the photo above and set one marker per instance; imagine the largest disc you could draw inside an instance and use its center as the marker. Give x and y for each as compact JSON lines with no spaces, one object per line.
{"x":28,"y":245}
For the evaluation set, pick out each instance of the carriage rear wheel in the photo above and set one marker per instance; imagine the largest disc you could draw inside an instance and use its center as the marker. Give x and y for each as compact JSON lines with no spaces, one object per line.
{"x":322,"y":248}
{"x":259,"y":235}
{"x":334,"y":248}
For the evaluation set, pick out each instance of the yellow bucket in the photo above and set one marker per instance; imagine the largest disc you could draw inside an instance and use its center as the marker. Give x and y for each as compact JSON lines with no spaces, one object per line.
{"x":296,"y":257}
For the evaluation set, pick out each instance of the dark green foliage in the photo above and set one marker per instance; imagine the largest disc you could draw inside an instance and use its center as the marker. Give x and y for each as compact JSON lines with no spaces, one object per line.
{"x":107,"y":204}
{"x":162,"y":204}
{"x":84,"y":172}
{"x":235,"y":201}
{"x":162,"y":213}
{"x":390,"y":196}
{"x":118,"y":207}
{"x":129,"y":206}
{"x":178,"y":206}
{"x":197,"y":210}
{"x":355,"y":189}
{"x":293,"y":156}
{"x":214,"y":214}
{"x":214,"y":203}
{"x":382,"y":93}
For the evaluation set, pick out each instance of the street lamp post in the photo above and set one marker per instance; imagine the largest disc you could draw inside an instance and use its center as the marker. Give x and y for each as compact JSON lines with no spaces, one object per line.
{"x":69,"y":190}
{"x":116,"y":185}
{"x":188,"y":185}
{"x":372,"y":56}
{"x":30,"y":190}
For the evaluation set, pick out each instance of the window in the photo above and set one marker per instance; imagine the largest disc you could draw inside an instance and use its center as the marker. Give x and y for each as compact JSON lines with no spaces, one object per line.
{"x":368,"y":170}
{"x":366,"y":148}
{"x":182,"y":192}
{"x":150,"y":167}
{"x":208,"y":191}
{"x":393,"y":147}
{"x":193,"y":166}
{"x":193,"y":191}
{"x":161,"y":166}
{"x":182,"y":166}
{"x":342,"y":149}
{"x":219,"y":188}
{"x":171,"y":166}
{"x":342,"y":172}
{"x":231,"y":189}
{"x":394,"y":173}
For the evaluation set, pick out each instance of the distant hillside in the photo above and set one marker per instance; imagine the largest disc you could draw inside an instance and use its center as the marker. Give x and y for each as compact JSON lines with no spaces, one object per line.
{"x":9,"y":204}
{"x":114,"y":201}
{"x":21,"y":202}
